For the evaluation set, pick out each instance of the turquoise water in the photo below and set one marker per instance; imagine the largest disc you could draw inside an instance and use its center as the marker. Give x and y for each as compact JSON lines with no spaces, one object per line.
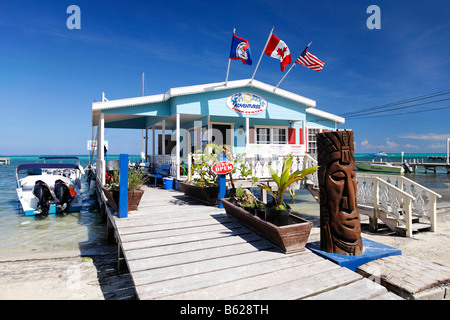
{"x":85,"y":230}
{"x":21,"y":235}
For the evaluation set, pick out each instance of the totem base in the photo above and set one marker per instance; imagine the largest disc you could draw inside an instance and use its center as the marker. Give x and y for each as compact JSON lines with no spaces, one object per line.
{"x":371,"y":251}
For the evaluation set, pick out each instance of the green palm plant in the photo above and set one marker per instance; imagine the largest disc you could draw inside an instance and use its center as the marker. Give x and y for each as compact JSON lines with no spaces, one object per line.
{"x":284,"y":181}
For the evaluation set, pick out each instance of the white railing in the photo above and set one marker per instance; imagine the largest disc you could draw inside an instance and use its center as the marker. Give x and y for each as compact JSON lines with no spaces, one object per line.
{"x":260,"y":167}
{"x":381,"y":195}
{"x":423,"y":200}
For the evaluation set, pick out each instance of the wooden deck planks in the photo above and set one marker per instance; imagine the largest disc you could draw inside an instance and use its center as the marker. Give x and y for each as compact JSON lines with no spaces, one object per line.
{"x":177,"y":248}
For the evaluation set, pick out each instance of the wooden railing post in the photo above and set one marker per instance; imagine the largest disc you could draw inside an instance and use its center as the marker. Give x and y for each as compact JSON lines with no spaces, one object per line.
{"x":408,"y":217}
{"x":373,"y":222}
{"x":433,"y":217}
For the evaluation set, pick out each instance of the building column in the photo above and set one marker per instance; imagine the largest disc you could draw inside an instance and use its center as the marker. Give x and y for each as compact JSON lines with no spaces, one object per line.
{"x":304,"y":133}
{"x":100,"y":149}
{"x":163,"y":141}
{"x":146,"y":144}
{"x":178,"y":146}
{"x":247,"y":132}
{"x":153,"y":145}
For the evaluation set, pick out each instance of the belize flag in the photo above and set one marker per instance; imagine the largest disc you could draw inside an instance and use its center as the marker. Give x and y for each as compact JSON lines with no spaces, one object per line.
{"x":240,"y":49}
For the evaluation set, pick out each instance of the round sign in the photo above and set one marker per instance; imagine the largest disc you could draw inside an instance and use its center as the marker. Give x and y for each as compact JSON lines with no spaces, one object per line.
{"x":246,"y":103}
{"x":222,"y":167}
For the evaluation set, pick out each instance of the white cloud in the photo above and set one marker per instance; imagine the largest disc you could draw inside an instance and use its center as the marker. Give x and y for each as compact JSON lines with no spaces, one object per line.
{"x":388,"y":146}
{"x":391,"y":144}
{"x":411,"y":146}
{"x":428,"y":136}
{"x":437,"y":146}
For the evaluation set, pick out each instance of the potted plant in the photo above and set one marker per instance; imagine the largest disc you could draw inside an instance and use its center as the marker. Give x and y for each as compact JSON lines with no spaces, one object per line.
{"x":202,"y":182}
{"x":136,"y":178}
{"x":293,"y":235}
{"x":245,"y":199}
{"x":278,"y":211}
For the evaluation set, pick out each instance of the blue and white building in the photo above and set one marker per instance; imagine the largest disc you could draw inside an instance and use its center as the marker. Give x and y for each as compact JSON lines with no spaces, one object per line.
{"x":250,"y":116}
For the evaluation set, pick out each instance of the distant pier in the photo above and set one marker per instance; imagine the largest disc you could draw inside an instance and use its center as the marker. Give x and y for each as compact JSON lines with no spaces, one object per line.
{"x":427,"y":166}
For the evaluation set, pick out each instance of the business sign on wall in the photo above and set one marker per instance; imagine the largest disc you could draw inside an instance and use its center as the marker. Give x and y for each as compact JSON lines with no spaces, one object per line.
{"x":246,"y":103}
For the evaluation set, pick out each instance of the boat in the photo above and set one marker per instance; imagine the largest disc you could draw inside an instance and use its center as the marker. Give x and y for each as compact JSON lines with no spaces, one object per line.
{"x":380,"y":166}
{"x":54,"y":190}
{"x":74,"y":175}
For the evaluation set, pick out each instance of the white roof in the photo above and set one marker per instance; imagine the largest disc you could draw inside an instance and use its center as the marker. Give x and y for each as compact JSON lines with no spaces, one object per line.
{"x":180,"y":91}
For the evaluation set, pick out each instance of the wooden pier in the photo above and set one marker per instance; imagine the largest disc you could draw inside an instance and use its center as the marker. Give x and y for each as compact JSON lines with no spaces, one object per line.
{"x":179,"y":248}
{"x":426,"y":166}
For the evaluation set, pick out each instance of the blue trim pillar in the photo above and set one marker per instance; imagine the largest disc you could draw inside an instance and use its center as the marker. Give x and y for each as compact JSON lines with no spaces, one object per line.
{"x":222,"y":183}
{"x":123,"y":186}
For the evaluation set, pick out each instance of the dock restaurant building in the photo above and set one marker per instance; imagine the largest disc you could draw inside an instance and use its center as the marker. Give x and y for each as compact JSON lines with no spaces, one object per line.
{"x":250,"y":116}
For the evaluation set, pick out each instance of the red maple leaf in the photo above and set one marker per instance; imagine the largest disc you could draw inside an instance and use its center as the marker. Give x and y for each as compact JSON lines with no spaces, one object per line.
{"x":281,"y":52}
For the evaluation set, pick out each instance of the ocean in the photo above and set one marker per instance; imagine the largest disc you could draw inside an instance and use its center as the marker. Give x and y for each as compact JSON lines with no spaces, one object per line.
{"x":22,"y":235}
{"x":85,"y":231}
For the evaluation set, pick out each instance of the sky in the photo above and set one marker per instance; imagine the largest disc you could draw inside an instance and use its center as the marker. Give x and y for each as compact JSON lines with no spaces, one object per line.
{"x":50,"y":74}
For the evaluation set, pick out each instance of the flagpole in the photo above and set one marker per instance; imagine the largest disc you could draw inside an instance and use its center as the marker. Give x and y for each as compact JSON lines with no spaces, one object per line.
{"x":290,"y":68}
{"x":229,"y":60}
{"x":261,"y":55}
{"x":284,"y":76}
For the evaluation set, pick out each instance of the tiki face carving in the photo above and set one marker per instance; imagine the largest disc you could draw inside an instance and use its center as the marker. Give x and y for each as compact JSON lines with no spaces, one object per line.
{"x":339,"y":219}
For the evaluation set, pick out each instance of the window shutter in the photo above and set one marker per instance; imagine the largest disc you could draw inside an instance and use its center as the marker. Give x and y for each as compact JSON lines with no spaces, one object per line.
{"x":251,"y":134}
{"x":291,"y":135}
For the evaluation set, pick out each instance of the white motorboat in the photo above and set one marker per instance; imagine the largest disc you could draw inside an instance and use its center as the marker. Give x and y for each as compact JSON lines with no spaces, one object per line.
{"x":74,"y":175}
{"x":54,"y":189}
{"x":380,"y":166}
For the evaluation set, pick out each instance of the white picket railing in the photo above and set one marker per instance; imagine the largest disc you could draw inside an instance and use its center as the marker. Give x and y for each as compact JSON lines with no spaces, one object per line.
{"x":396,"y":194}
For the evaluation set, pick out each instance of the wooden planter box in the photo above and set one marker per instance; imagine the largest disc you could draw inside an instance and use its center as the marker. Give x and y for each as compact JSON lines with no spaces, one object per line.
{"x":290,"y":238}
{"x":134,"y":198}
{"x":205,"y":194}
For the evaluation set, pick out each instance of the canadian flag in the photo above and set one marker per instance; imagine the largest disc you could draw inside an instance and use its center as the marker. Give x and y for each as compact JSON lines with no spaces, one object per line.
{"x":277,"y":49}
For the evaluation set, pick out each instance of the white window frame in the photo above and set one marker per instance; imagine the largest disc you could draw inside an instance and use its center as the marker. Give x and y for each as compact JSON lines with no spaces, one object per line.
{"x":312,"y":143}
{"x":271,"y":133}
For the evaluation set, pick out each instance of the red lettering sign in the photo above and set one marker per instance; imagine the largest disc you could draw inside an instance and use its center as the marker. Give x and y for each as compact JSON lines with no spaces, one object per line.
{"x":222,"y":167}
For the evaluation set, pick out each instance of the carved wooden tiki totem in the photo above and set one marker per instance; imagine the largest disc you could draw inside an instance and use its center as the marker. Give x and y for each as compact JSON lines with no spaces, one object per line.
{"x":340,"y":228}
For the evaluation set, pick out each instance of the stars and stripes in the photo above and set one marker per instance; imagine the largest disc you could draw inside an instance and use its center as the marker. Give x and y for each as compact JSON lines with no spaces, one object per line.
{"x":310,"y":61}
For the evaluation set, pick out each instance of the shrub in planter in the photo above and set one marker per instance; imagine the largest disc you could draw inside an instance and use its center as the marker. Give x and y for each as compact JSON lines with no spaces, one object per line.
{"x":283,"y":182}
{"x":136,"y":178}
{"x":202,"y":182}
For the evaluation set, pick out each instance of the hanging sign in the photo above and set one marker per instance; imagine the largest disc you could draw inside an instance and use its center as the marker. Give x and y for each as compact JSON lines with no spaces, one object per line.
{"x":222,"y":167}
{"x":246,"y":103}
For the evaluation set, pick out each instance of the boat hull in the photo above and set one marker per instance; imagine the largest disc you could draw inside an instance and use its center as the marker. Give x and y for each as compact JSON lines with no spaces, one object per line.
{"x":379,"y":168}
{"x":29,"y":202}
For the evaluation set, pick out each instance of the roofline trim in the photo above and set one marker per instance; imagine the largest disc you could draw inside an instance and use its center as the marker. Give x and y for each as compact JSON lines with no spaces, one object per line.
{"x":210,"y":87}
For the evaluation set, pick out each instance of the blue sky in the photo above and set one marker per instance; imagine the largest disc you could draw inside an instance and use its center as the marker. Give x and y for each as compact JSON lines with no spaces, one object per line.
{"x":50,"y":75}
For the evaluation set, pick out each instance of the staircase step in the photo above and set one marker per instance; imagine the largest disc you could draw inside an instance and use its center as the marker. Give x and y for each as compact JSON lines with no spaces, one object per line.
{"x":418,"y":226}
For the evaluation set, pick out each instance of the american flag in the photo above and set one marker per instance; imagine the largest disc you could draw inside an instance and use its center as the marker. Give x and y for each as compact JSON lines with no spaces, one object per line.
{"x":310,"y":61}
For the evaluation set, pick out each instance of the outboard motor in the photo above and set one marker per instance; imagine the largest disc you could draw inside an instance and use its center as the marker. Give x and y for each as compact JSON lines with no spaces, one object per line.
{"x":63,"y":195}
{"x":42,"y":192}
{"x":407,"y":167}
